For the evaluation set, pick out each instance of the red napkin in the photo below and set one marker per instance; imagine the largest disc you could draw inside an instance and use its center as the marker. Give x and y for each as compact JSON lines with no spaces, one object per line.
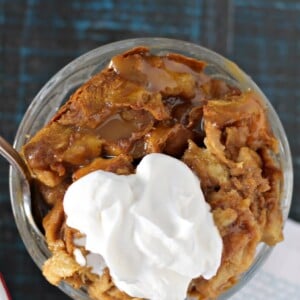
{"x":4,"y":293}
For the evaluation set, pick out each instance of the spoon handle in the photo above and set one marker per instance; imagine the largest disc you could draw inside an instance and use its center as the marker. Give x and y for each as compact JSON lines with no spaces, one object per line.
{"x":13,"y":157}
{"x":16,"y":161}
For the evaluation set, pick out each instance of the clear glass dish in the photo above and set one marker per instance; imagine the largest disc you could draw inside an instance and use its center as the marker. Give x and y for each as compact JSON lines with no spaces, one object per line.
{"x":62,"y":85}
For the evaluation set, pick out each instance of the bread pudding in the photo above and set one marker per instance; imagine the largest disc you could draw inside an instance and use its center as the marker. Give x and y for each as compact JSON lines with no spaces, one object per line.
{"x":141,"y":104}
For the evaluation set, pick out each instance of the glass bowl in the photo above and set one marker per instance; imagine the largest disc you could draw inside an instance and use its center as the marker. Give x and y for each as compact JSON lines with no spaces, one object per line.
{"x":58,"y":89}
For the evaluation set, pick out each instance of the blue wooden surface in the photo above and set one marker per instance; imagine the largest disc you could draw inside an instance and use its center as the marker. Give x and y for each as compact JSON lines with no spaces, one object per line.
{"x":37,"y":38}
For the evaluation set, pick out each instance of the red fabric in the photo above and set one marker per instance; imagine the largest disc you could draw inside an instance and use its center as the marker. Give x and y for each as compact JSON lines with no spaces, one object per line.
{"x":4,"y":287}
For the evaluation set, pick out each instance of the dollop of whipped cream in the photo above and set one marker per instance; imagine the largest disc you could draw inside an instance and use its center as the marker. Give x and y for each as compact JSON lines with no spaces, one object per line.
{"x":153,"y":228}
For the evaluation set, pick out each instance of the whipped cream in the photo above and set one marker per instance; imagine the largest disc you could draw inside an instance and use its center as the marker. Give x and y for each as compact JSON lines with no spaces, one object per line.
{"x":79,"y":257}
{"x":153,"y":229}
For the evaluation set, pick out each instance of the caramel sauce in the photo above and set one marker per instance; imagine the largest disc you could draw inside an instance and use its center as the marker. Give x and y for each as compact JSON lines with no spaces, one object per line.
{"x":115,"y":128}
{"x":158,"y":79}
{"x":129,"y":68}
{"x":123,"y":124}
{"x":179,"y":67}
{"x":145,"y":71}
{"x":156,"y":76}
{"x":180,"y":109}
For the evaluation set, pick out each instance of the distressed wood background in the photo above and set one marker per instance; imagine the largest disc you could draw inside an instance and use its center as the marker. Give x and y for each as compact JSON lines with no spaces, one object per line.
{"x":37,"y":38}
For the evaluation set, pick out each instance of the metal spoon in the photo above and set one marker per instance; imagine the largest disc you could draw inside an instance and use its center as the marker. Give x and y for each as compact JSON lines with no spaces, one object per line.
{"x":16,"y":161}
